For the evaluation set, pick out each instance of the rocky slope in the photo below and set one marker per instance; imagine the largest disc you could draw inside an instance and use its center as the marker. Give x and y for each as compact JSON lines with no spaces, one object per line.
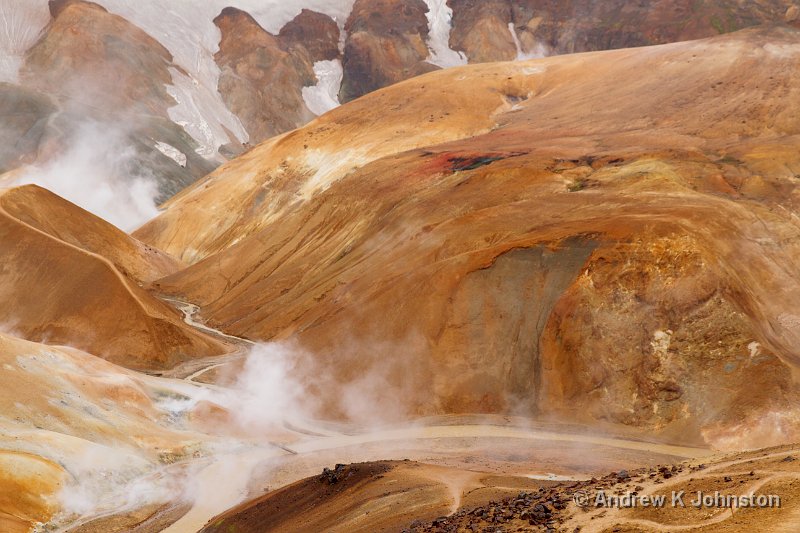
{"x":71,"y":278}
{"x":310,"y":505}
{"x":100,"y":68}
{"x":24,"y":114}
{"x":548,"y":507}
{"x":120,"y":65}
{"x":79,"y":434}
{"x":263,"y":75}
{"x":481,"y":30}
{"x":554,"y":240}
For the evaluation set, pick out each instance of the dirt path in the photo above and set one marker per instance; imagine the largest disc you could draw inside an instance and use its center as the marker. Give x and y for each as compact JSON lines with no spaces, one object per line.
{"x":409,"y":433}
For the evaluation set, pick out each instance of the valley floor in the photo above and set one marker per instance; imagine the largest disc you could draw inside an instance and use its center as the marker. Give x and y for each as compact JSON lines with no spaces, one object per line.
{"x":447,"y":473}
{"x":452,"y":461}
{"x":489,"y":477}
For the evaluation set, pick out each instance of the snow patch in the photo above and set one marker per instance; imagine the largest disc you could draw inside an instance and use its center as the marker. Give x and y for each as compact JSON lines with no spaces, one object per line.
{"x":202,"y":113}
{"x":440,"y":17}
{"x":187,"y":30}
{"x":324,"y":96}
{"x":754,"y":349}
{"x":172,"y":152}
{"x":530,"y":71}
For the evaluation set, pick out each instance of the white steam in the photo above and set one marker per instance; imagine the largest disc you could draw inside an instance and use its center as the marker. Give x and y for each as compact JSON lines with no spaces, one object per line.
{"x":440,"y":17}
{"x":324,"y":96}
{"x":98,"y":172}
{"x":108,"y":479}
{"x":758,"y":430}
{"x":266,"y":393}
{"x":280,"y":384}
{"x":265,"y":397}
{"x":538,"y":52}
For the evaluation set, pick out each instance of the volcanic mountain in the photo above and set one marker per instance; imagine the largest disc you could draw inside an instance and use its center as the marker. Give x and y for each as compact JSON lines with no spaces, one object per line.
{"x":603,"y":236}
{"x":511,"y":274}
{"x":186,"y":88}
{"x":96,"y":67}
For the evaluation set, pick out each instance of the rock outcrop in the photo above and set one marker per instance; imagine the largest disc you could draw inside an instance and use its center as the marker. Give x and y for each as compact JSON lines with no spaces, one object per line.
{"x":263,"y":75}
{"x":487,"y":31}
{"x":386,"y":43}
{"x":563,"y":237}
{"x":481,"y":30}
{"x":315,"y":32}
{"x":99,"y":60}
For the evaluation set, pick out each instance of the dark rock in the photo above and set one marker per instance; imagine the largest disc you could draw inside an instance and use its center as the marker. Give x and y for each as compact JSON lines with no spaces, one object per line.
{"x":481,"y":29}
{"x":316,"y":32}
{"x":336,"y":475}
{"x":386,"y":43}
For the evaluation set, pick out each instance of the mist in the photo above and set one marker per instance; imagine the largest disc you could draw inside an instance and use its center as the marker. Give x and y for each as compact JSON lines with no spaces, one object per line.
{"x":268,"y":391}
{"x":99,"y":172}
{"x":280,"y":383}
{"x":104,"y":479}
